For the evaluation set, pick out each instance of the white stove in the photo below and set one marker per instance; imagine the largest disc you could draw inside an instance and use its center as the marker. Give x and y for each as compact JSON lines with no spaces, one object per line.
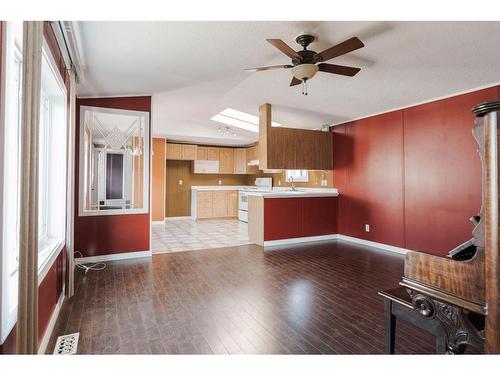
{"x":261,"y":184}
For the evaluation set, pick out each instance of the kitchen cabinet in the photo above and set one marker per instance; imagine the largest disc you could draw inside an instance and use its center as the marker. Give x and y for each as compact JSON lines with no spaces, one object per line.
{"x":201,"y":154}
{"x":204,"y":201}
{"x":174,"y":151}
{"x":177,"y":151}
{"x":216,"y":204}
{"x":252,"y":155}
{"x":232,"y":203}
{"x":287,"y":148}
{"x":240,"y":160}
{"x":189,"y":152}
{"x":226,"y":160}
{"x":212,"y":153}
{"x":219,"y":203}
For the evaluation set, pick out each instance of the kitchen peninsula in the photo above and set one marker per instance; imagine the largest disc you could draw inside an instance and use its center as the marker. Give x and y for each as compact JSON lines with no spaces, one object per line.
{"x":286,"y":216}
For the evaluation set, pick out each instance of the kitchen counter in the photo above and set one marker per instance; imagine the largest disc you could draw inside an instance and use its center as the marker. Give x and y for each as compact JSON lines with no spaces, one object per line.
{"x":299,"y":216}
{"x":299,"y":193}
{"x":219,"y":187}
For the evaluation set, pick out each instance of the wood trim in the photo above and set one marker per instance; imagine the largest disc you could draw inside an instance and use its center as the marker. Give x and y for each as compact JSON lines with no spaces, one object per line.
{"x":158,"y":170}
{"x":27,"y":319}
{"x":256,"y":219}
{"x":264,"y":126}
{"x":492,"y":222}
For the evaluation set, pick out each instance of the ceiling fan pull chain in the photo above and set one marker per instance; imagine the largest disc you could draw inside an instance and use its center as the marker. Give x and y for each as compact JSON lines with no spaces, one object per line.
{"x":304,"y":87}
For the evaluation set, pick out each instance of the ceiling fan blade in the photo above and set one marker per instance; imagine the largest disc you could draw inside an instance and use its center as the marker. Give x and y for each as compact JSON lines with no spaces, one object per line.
{"x":340,"y":49}
{"x":269,"y":68}
{"x":338,"y":69}
{"x":295,"y":82}
{"x":285,"y":48}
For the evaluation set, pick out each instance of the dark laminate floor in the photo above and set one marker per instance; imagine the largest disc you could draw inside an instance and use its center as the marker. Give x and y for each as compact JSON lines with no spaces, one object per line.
{"x":313,"y":299}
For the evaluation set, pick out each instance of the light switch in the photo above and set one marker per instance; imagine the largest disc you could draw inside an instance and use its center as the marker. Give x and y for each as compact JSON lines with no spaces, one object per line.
{"x":367,"y":227}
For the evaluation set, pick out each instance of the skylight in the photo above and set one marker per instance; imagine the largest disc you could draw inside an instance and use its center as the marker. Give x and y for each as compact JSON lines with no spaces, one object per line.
{"x":239,"y":119}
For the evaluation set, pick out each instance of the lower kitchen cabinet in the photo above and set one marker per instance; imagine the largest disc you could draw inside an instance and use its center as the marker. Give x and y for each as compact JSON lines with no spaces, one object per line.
{"x":216,"y":204}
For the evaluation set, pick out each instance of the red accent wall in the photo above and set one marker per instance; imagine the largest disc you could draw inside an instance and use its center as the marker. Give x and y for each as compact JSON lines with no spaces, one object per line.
{"x":299,"y":217}
{"x":374,"y":179}
{"x":414,"y":174}
{"x":103,"y":235}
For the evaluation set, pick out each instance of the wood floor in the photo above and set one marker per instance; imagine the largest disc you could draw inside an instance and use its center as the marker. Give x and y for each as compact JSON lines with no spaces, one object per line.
{"x":312,"y":299}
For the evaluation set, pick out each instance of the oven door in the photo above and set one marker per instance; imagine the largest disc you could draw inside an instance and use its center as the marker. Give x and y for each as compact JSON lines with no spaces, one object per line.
{"x":243,"y":216}
{"x":243,"y":201}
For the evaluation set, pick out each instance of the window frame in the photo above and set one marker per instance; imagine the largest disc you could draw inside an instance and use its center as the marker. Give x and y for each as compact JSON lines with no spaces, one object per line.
{"x":8,"y":267}
{"x":302,"y":178}
{"x":54,"y":247}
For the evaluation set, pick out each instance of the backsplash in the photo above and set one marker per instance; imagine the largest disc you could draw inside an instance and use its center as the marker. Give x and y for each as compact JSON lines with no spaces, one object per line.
{"x":279,"y":179}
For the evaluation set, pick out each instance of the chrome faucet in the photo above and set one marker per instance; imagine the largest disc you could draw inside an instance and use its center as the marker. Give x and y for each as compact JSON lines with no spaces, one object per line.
{"x":290,"y":181}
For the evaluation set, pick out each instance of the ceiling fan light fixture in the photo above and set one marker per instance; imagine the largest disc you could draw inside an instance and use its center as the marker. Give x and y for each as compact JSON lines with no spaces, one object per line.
{"x":304,"y":71}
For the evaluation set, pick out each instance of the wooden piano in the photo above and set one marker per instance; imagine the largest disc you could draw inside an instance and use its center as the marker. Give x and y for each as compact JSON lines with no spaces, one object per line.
{"x":456,"y":290}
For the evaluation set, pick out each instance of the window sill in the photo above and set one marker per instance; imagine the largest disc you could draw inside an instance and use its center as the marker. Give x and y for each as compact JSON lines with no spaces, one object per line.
{"x":47,"y":256}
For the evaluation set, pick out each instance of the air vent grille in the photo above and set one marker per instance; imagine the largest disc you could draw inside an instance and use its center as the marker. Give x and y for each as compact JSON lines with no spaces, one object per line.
{"x":67,"y":344}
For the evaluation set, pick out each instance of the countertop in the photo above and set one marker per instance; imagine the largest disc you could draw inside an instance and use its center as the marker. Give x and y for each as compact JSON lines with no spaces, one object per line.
{"x":277,"y":192}
{"x":220,"y":187}
{"x":299,"y":193}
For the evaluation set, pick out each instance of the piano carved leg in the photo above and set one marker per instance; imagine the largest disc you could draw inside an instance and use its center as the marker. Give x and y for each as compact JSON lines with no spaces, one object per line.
{"x":459,"y":331}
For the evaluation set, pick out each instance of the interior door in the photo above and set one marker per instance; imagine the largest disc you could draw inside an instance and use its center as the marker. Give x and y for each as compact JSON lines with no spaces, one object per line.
{"x":178,"y":188}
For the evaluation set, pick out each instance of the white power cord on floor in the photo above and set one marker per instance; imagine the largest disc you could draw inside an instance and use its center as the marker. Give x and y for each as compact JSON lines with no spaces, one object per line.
{"x":90,"y":266}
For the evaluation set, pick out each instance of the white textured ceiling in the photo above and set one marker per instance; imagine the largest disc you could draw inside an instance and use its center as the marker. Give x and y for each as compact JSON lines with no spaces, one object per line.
{"x":195,"y":69}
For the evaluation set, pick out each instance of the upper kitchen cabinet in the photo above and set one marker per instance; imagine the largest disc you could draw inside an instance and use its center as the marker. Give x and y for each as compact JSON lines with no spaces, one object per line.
{"x":252,"y":162}
{"x":213,"y":153}
{"x":287,"y":148}
{"x":226,"y":160}
{"x":240,"y":160}
{"x":176,"y":151}
{"x":201,"y":154}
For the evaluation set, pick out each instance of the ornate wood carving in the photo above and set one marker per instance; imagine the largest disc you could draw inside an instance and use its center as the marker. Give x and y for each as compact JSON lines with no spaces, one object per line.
{"x":459,"y":330}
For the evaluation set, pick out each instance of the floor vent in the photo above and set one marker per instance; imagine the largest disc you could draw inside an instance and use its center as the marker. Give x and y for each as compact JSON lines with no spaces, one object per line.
{"x":67,"y":344}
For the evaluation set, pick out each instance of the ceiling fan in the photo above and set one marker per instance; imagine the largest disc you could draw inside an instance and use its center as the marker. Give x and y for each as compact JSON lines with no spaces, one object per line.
{"x":306,"y":63}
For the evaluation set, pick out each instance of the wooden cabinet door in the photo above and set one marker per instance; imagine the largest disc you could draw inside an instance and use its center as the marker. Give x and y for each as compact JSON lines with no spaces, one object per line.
{"x":232,"y":203}
{"x":204,"y":204}
{"x":174,"y":151}
{"x":219,"y":199}
{"x":201,"y":153}
{"x":189,"y":152}
{"x":212,"y":153}
{"x":240,"y":160}
{"x":252,"y":154}
{"x":226,"y":160}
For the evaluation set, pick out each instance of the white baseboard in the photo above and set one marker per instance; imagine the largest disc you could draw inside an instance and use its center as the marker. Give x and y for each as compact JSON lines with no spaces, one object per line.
{"x":178,"y":218}
{"x":158,"y":222}
{"x":378,"y":245}
{"x":290,"y":241}
{"x":329,"y":237}
{"x":107,"y":258}
{"x":42,"y":348}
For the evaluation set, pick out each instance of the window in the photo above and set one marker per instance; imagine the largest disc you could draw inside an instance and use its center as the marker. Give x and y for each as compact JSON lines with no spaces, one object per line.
{"x":11,"y":94}
{"x":52,"y":162}
{"x":298,"y":175}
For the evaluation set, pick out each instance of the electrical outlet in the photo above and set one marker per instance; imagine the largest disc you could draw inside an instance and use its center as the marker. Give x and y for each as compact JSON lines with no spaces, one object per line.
{"x":279,"y":182}
{"x":181,"y":182}
{"x":220,"y":182}
{"x":367,"y":227}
